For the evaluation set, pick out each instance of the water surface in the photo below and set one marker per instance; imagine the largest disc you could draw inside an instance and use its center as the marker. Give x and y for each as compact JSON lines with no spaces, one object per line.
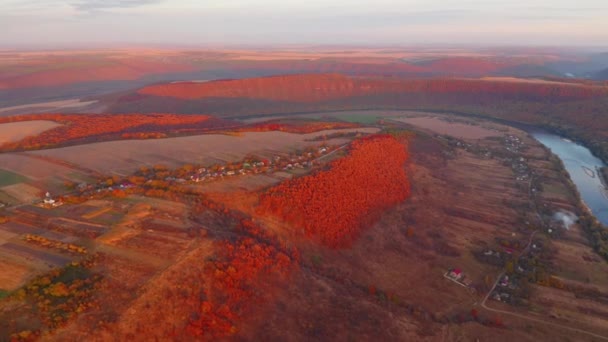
{"x":583,"y":168}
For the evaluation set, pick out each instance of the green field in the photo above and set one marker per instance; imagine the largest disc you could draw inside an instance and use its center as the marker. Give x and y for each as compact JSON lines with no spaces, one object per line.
{"x":10,"y":178}
{"x":362,"y":118}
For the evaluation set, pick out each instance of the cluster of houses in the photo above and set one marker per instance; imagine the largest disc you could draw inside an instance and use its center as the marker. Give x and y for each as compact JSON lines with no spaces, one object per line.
{"x":513,"y":143}
{"x":521,"y":169}
{"x":519,"y":165}
{"x":277,"y":163}
{"x":300,"y":160}
{"x":504,"y":289}
{"x":509,"y":285}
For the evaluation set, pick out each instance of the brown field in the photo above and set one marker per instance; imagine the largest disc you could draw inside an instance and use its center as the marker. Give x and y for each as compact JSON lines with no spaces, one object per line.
{"x":171,"y":207}
{"x":159,"y":244}
{"x":241,"y":183}
{"x":15,"y":131}
{"x":564,"y":306}
{"x":76,"y":228}
{"x":127,"y":156}
{"x":35,"y":168}
{"x":455,"y":129}
{"x":51,"y":106}
{"x":12,"y":275}
{"x":23,"y":192}
{"x":6,"y":235}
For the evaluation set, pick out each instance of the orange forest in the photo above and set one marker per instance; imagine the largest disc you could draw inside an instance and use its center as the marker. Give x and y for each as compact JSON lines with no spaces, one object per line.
{"x":301,"y":127}
{"x":82,"y":126}
{"x":324,"y":87}
{"x":333,"y":206}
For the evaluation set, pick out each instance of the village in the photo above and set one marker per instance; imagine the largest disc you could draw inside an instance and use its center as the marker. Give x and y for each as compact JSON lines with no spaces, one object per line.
{"x":162,"y":177}
{"x":524,"y":257}
{"x":59,"y":228}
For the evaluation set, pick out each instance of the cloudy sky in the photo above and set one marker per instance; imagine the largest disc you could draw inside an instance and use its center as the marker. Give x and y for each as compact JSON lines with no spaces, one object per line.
{"x":261,"y":22}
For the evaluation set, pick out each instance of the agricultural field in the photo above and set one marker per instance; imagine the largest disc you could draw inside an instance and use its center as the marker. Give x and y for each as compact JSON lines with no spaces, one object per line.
{"x":39,"y":169}
{"x":12,"y":275}
{"x":15,"y":131}
{"x":47,"y":107}
{"x":124,"y":157}
{"x":455,"y":129}
{"x":10,"y":178}
{"x":24,"y":193}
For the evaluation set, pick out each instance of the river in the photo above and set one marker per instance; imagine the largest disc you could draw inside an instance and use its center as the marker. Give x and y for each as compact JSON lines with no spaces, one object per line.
{"x":583,"y":168}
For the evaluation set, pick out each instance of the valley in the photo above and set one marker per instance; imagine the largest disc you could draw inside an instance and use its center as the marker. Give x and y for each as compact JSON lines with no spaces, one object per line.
{"x":494,"y":191}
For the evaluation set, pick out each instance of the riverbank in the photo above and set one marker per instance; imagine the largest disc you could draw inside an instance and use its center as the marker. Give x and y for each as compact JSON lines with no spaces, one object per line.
{"x":603,"y":174}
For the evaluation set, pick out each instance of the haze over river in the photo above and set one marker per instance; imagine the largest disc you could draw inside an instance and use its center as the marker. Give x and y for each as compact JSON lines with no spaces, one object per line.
{"x":583,"y":168}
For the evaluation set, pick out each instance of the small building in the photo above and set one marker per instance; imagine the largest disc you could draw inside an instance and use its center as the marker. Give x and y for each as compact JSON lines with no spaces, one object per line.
{"x":48,"y":199}
{"x":456,"y":274}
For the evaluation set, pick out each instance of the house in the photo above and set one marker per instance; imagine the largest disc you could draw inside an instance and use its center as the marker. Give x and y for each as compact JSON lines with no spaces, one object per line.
{"x":48,"y":199}
{"x":456,"y":274}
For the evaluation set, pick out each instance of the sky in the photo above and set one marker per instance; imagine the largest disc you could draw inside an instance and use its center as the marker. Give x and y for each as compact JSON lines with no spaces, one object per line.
{"x":64,"y":23}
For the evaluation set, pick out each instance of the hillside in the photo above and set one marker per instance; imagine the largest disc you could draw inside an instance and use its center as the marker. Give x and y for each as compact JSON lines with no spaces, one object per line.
{"x":574,"y":108}
{"x":323,"y":87}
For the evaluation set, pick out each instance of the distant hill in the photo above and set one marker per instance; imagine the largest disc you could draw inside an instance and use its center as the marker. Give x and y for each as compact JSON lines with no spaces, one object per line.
{"x":583,"y":67}
{"x":308,"y":88}
{"x":602,"y":75}
{"x":528,"y":70}
{"x":463,"y":66}
{"x":549,"y":103}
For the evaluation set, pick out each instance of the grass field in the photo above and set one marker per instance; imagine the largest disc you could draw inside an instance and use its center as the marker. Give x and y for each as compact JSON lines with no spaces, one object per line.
{"x":10,"y":178}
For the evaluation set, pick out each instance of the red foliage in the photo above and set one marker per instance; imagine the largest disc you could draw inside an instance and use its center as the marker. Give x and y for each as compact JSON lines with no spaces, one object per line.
{"x":323,"y":87}
{"x":143,"y":135}
{"x":332,"y":206}
{"x":235,"y":279}
{"x":82,"y":126}
{"x":301,"y":127}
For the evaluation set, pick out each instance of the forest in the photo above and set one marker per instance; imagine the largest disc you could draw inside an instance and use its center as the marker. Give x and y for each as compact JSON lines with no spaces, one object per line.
{"x":296,"y":126}
{"x":332,"y":206}
{"x":322,"y":87}
{"x":78,"y":127}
